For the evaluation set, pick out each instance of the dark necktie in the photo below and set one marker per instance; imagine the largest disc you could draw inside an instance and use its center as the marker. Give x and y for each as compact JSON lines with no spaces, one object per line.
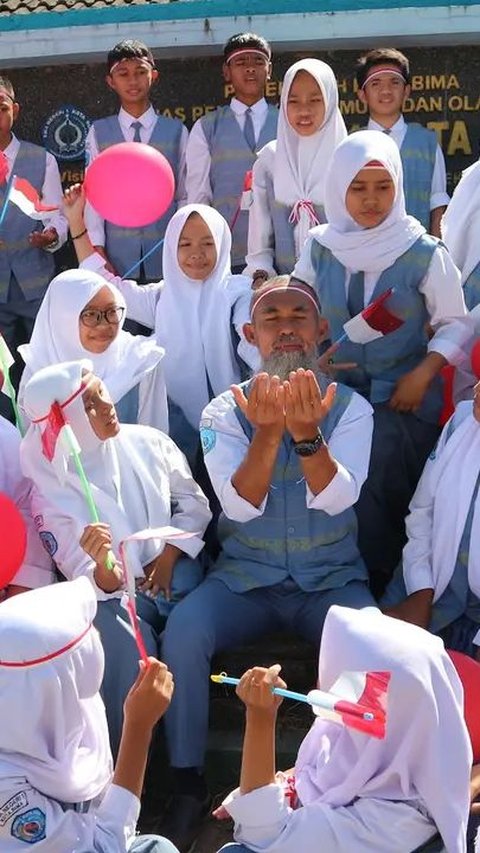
{"x":356,"y":293}
{"x":136,"y":126}
{"x":248,"y":130}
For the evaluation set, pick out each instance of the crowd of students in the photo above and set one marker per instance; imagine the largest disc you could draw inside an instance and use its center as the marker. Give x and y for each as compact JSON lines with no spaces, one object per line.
{"x":307,"y":470}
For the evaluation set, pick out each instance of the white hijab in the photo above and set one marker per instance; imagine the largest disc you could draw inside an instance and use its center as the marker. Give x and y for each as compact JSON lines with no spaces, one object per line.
{"x":448,"y":482}
{"x":56,"y":336}
{"x":124,"y":472}
{"x":461,"y":222}
{"x":417,"y":759}
{"x":370,"y":250}
{"x":194,"y":318}
{"x":301,"y":161}
{"x":54,"y":730}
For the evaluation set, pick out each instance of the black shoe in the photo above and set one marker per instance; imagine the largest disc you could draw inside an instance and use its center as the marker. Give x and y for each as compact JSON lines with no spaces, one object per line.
{"x":183,"y":819}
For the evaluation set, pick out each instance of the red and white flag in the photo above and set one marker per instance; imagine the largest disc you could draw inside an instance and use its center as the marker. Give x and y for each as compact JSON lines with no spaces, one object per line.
{"x":58,"y":439}
{"x":26,"y":197}
{"x":358,"y":700}
{"x":373,"y":322}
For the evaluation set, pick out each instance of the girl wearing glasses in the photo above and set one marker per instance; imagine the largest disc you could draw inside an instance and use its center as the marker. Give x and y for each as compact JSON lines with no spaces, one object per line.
{"x":82,"y":316}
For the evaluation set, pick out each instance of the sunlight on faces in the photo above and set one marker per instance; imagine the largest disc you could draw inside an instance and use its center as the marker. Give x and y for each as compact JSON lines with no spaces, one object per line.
{"x":8,"y":114}
{"x":384,"y":94}
{"x":196,"y":251}
{"x":99,"y":408}
{"x":286,"y":328}
{"x":248,"y":73}
{"x":370,"y":197}
{"x":97,"y":339}
{"x":305,"y":104}
{"x":132,"y":80}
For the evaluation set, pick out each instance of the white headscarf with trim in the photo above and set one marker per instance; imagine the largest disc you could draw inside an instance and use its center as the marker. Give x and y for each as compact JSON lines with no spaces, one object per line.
{"x":54,"y":730}
{"x":301,"y":161}
{"x":461,"y":222}
{"x":370,"y":250}
{"x":336,"y":764}
{"x":56,"y":337}
{"x":194,"y":318}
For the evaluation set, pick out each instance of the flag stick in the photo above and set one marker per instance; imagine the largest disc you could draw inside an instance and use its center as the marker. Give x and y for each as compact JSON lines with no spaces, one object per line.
{"x":142,"y":259}
{"x":11,"y":395}
{"x":87,"y":491}
{"x":8,"y":191}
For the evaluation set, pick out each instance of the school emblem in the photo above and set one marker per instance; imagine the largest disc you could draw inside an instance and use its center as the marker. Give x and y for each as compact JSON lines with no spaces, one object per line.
{"x":208,"y":436}
{"x":29,"y":826}
{"x":64,"y":133}
{"x":49,"y":542}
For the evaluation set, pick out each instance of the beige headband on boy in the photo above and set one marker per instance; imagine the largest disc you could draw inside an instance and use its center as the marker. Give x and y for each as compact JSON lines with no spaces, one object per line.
{"x":387,"y":69}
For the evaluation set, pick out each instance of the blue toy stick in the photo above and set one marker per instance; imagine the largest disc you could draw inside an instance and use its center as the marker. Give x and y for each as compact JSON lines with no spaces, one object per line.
{"x":142,"y":259}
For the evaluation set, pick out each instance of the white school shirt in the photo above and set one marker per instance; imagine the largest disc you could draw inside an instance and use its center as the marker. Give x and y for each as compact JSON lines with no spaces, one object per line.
{"x":94,"y":222}
{"x":261,"y":239}
{"x":37,"y":568}
{"x":439,"y":196}
{"x":143,"y":302}
{"x":349,"y":444}
{"x":264,"y":822}
{"x":199,"y":189}
{"x":443,"y":295}
{"x":52,"y":193}
{"x":107,"y":827}
{"x":175,"y":482}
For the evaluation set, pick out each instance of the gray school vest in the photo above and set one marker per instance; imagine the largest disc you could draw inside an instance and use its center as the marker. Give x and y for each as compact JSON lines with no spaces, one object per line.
{"x":317,"y":550}
{"x":125,"y":246}
{"x":418,"y":152}
{"x":383,"y":361}
{"x":231,"y":158}
{"x":471,"y":288}
{"x":284,"y":255}
{"x":32,"y":268}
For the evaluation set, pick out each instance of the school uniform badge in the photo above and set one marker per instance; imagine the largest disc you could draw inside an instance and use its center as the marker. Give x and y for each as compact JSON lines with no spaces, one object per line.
{"x":29,"y":826}
{"x":49,"y":542}
{"x":208,"y":436}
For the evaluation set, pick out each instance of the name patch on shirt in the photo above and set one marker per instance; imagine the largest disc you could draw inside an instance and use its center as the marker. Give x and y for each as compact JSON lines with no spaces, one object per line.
{"x":30,"y":826}
{"x":12,"y":806}
{"x":208,"y":436}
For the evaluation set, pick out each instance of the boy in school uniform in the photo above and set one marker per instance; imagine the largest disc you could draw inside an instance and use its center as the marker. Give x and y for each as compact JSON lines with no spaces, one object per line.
{"x":26,"y":245}
{"x":131,"y":75}
{"x":383,"y":78}
{"x":223,"y":144}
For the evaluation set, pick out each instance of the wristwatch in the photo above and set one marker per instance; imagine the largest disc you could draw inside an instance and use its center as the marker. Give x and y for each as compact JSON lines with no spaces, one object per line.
{"x":309,"y":446}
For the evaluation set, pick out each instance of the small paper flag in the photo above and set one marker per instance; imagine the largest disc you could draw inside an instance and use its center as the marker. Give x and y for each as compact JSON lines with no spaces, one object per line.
{"x":373,"y":322}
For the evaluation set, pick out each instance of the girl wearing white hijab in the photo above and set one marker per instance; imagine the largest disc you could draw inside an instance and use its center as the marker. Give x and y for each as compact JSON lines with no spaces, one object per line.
{"x":57,"y":784}
{"x":438,"y":583}
{"x":289,"y":173}
{"x":198,"y":311}
{"x":139,"y":479}
{"x":369,"y":246}
{"x":357,"y":792}
{"x":82,"y":316}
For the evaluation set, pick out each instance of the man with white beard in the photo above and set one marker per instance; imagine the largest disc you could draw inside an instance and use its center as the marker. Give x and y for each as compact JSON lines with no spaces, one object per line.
{"x":287,"y":454}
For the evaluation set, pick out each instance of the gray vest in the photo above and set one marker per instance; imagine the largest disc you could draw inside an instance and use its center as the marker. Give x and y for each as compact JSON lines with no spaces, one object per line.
{"x":284,"y":255}
{"x":32,"y":268}
{"x":125,"y":246}
{"x":319,"y":551}
{"x":231,"y":158}
{"x":418,"y":153}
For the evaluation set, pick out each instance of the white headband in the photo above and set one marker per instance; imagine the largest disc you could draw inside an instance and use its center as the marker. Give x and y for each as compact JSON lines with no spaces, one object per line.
{"x":386,"y":70}
{"x":288,"y":289}
{"x":247,"y":50}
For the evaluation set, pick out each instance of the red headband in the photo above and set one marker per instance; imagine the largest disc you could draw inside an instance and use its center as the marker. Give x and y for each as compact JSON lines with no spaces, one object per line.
{"x":51,"y":656}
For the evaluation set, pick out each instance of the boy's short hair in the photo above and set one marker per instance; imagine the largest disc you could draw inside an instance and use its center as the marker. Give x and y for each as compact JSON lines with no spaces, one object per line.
{"x":246,"y":41}
{"x":129,"y":49}
{"x":381,"y":56}
{"x":7,"y":86}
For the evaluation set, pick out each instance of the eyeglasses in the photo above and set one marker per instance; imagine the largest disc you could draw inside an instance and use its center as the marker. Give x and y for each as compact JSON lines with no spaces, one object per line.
{"x":92,"y":318}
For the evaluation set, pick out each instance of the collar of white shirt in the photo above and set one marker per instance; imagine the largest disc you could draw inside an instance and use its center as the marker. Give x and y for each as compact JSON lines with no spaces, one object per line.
{"x":258,"y":108}
{"x":11,"y":150}
{"x":147,"y":119}
{"x":395,"y":130}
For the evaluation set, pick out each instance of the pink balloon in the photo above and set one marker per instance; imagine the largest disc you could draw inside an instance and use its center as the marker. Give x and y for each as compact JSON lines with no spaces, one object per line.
{"x":130,"y":184}
{"x":475,"y":359}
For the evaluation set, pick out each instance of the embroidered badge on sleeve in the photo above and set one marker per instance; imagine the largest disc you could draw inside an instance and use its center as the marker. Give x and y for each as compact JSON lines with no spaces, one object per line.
{"x":29,"y":826}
